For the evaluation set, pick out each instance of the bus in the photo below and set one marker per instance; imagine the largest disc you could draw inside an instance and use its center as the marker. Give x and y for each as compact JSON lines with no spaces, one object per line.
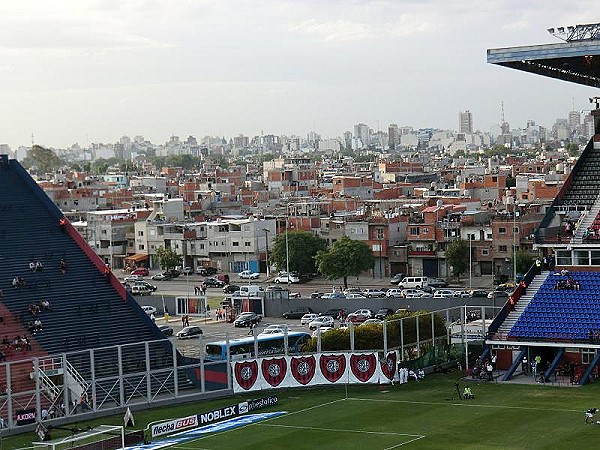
{"x":243,"y":348}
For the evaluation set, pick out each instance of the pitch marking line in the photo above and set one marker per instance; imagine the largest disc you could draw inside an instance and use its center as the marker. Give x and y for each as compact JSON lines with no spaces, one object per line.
{"x":415,"y":437}
{"x":470,"y":405}
{"x":251,"y":424}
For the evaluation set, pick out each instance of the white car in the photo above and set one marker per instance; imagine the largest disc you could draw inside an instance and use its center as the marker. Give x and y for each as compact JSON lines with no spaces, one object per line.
{"x":371,"y":322}
{"x":370,"y":293}
{"x":149,"y":310}
{"x":321,"y":321}
{"x":412,"y":293}
{"x":443,"y":293}
{"x":274,"y":329}
{"x":393,"y":293}
{"x":248,"y":275}
{"x":133,"y":278}
{"x":321,"y":330}
{"x":462,"y":294}
{"x":354,"y":295}
{"x":308,"y":318}
{"x":285,"y":278}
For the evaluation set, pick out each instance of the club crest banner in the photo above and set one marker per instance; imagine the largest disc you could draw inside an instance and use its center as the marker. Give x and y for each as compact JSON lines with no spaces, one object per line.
{"x":312,"y":370}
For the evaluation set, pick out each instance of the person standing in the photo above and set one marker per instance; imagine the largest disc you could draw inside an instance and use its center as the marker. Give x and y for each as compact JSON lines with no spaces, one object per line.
{"x":525,"y":365}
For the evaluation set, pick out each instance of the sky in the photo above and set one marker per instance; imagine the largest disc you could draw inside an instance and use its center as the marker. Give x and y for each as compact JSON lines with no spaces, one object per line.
{"x":93,"y":70}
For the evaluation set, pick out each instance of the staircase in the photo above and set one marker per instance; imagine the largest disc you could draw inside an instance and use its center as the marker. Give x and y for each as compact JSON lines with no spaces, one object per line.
{"x":520,"y":306}
{"x":586,"y":222}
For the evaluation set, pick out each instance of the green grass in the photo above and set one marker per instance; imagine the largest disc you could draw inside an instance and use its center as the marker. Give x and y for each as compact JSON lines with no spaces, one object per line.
{"x":415,"y":416}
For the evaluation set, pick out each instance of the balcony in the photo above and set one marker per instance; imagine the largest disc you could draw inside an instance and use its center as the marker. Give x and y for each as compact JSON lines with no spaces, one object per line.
{"x":421,"y":252}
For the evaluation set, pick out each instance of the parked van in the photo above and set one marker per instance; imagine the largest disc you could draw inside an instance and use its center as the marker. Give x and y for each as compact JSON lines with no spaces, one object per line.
{"x":250,"y":290}
{"x":413,"y":283}
{"x":140,"y":289}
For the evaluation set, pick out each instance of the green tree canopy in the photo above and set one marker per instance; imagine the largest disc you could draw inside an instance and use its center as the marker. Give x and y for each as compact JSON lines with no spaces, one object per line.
{"x":303,"y":247}
{"x":44,"y":159}
{"x":457,"y":255}
{"x":345,"y":258}
{"x":524,"y":260}
{"x":167,"y":258}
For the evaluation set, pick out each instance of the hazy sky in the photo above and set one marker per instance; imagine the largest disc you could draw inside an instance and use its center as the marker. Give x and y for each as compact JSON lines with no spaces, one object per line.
{"x":93,"y":70}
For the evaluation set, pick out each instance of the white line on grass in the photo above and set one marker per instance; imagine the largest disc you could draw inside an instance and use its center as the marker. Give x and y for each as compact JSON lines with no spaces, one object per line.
{"x":471,"y":405}
{"x":338,"y":430}
{"x":404,"y":443}
{"x":266,"y":420}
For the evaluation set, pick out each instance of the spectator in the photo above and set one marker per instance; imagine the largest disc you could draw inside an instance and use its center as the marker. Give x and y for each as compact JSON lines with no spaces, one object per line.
{"x":38,"y":266}
{"x":62,"y":265}
{"x":32,"y":265}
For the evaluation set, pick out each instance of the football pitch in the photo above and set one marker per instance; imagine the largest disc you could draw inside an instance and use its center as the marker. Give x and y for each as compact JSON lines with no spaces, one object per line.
{"x":425,"y":415}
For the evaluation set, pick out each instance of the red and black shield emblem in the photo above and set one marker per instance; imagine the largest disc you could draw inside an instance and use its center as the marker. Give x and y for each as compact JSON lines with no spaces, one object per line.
{"x":388,"y":366}
{"x":332,"y":366}
{"x":363,"y":366}
{"x":303,"y":369}
{"x":246,"y":373}
{"x":274,"y":370}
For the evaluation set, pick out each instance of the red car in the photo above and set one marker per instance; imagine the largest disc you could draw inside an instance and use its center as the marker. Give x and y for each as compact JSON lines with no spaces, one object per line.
{"x":143,"y":271}
{"x":360,"y":315}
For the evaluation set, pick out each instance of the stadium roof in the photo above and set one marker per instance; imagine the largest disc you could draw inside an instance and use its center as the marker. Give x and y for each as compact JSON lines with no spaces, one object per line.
{"x":575,"y":61}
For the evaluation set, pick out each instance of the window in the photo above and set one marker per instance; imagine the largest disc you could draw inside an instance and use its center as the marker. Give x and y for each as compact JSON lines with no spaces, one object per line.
{"x":379,"y":233}
{"x":489,"y":236}
{"x":502,"y":230}
{"x":246,"y":244}
{"x":485,"y":252}
{"x":414,"y":231}
{"x":502,"y":248}
{"x":235,"y":244}
{"x":587,"y":355}
{"x":563,"y":257}
{"x":201,"y":246}
{"x":582,"y":258}
{"x":141,"y":247}
{"x":515,"y":229}
{"x":140,"y":233}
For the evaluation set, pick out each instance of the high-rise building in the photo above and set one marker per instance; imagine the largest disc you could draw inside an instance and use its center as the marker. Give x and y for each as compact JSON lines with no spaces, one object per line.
{"x":574,"y":120}
{"x":363,"y":134}
{"x":393,"y":135}
{"x":465,"y":122}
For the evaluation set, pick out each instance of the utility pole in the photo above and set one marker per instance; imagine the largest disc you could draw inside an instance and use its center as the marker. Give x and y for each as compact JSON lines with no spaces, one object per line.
{"x":267,"y":250}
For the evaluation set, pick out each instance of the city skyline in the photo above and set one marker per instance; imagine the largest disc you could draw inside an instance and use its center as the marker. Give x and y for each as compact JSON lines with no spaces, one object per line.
{"x":91,"y":71}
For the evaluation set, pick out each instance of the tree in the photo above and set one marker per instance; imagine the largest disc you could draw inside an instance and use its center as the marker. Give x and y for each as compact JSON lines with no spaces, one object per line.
{"x":524,"y":260}
{"x":345,"y":258}
{"x":43,"y":158}
{"x":457,"y":255}
{"x":167,"y":258}
{"x":303,"y":247}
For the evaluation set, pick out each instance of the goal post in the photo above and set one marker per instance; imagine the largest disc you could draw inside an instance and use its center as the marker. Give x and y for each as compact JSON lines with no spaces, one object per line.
{"x":103,"y":437}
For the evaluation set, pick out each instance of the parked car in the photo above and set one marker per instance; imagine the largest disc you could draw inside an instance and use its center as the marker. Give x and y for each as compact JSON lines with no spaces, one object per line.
{"x":383,"y":313}
{"x":143,"y":271}
{"x":166,"y":330}
{"x":333,"y":312}
{"x":321,"y":321}
{"x":397,"y":278}
{"x":353,"y":291}
{"x":437,"y":283}
{"x":393,"y":293}
{"x":333,"y":295}
{"x":138,"y":289}
{"x":206,"y":271}
{"x":149,"y":310}
{"x":321,"y":330}
{"x":316,"y":294}
{"x":187,"y":271}
{"x":164,"y":276}
{"x":478,"y":293}
{"x":372,"y":293}
{"x":230,"y":289}
{"x":308,"y":318}
{"x":133,"y":278}
{"x":173,"y":272}
{"x":462,"y":294}
{"x":360,"y":315}
{"x":443,"y":293}
{"x":372,"y":322}
{"x":287,"y":279}
{"x":275,"y":329}
{"x":498,"y":295}
{"x":189,"y":332}
{"x":213,"y":282}
{"x":145,"y":284}
{"x":355,"y":296}
{"x":297,"y":313}
{"x":275,"y":288}
{"x":248,"y":275}
{"x":412,"y":293}
{"x":247,"y":319}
